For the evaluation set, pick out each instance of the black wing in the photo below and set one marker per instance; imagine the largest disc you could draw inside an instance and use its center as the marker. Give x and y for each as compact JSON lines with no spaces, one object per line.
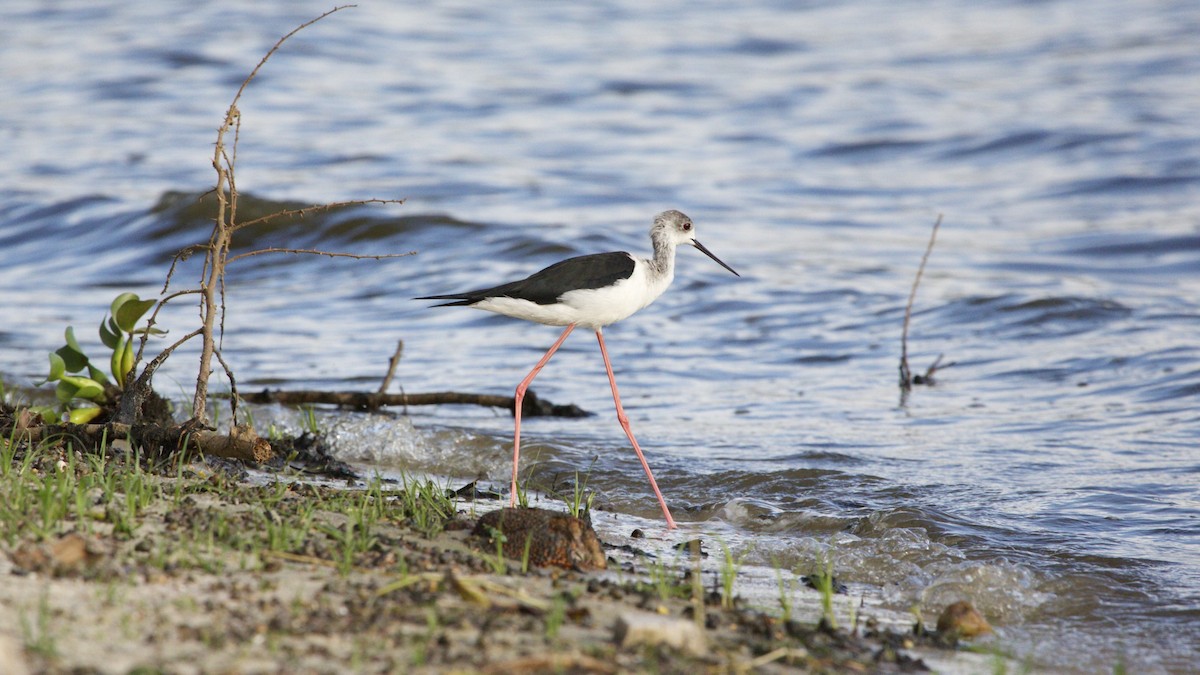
{"x":547,"y":286}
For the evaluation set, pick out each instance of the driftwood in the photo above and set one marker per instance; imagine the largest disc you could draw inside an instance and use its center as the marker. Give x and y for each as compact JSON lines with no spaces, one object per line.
{"x":531,"y":406}
{"x":241,"y":443}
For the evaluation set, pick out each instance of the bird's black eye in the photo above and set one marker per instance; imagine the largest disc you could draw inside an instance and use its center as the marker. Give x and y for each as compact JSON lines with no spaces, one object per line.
{"x":686,"y":226}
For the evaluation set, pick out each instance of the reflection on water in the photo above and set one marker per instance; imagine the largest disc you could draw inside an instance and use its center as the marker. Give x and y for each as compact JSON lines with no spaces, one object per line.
{"x":1051,"y":475}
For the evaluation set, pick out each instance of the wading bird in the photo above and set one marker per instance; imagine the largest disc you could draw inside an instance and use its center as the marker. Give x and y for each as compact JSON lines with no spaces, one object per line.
{"x":592,"y":291}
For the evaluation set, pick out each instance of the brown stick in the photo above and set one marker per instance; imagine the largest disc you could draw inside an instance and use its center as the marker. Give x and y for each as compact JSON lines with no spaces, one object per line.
{"x":363,"y":400}
{"x":391,"y":371}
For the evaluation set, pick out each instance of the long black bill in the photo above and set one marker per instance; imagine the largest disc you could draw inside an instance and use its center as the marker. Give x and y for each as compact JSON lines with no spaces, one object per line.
{"x":709,"y":254}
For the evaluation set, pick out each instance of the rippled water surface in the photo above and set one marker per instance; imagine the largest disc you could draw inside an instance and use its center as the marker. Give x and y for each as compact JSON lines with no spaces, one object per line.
{"x":1052,"y":474}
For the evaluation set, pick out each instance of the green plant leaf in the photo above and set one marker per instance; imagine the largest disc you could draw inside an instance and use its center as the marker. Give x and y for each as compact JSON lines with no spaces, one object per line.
{"x":121,"y":300}
{"x":129,"y":310}
{"x":73,"y":361}
{"x":117,"y":362}
{"x":73,"y":386}
{"x":73,"y":357}
{"x":110,"y":332}
{"x":71,"y":342}
{"x":97,"y":374}
{"x":49,"y":413}
{"x":127,"y":361}
{"x":82,"y":415}
{"x":58,"y":368}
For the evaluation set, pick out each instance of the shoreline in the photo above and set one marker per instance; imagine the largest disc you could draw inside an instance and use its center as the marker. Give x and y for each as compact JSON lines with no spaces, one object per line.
{"x":191,"y":570}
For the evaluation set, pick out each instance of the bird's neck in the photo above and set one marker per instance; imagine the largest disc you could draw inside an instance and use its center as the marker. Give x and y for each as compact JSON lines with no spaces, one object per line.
{"x":663,"y":263}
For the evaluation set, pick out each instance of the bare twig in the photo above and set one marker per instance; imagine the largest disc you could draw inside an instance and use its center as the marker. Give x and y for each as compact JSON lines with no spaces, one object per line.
{"x":279,"y":44}
{"x":331,"y":254}
{"x":316,"y":208}
{"x":233,"y":393}
{"x":180,"y":255}
{"x":906,"y":380}
{"x":217,"y":258}
{"x":927,"y":378}
{"x":391,"y":371}
{"x":153,"y":320}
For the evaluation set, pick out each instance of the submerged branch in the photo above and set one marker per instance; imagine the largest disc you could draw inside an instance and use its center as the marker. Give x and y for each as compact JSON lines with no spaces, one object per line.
{"x":906,"y":378}
{"x":531,"y":406}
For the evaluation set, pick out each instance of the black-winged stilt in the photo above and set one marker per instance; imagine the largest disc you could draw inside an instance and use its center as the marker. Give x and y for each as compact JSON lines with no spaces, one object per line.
{"x":593,"y":291}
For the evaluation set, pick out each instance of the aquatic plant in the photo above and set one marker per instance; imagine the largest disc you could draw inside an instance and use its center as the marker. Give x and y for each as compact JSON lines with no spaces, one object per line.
{"x":79,"y":394}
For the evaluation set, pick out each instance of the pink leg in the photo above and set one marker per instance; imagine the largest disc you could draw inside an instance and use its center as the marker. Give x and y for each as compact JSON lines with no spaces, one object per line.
{"x":512,"y":501}
{"x":624,"y":420}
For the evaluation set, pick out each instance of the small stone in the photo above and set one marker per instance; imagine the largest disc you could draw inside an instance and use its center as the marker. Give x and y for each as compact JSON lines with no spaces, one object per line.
{"x":643,"y":628}
{"x":961,"y":619}
{"x":69,"y":551}
{"x":66,"y":555}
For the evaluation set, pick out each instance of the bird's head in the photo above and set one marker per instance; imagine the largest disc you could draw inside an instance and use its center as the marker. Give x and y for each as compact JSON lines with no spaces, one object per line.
{"x":675,"y":229}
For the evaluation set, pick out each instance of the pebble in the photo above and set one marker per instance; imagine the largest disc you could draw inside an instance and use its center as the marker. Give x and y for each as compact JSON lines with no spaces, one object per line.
{"x":643,"y":628}
{"x":961,"y":619}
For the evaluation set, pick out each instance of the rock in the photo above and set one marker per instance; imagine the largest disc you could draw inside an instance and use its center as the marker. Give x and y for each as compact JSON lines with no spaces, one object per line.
{"x":554,"y":538}
{"x":962,"y":620}
{"x":643,"y":628}
{"x":67,"y":555}
{"x":69,"y":551}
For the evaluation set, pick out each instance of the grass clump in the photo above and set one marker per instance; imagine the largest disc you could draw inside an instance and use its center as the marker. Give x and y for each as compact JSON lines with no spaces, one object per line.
{"x":425,"y":505}
{"x":48,"y":489}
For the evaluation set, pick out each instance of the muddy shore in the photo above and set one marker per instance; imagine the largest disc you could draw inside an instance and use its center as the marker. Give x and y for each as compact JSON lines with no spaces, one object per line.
{"x":113,"y":566}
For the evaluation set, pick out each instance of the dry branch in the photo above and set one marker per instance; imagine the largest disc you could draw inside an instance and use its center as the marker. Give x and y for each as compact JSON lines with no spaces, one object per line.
{"x":531,"y":406}
{"x":225,"y":224}
{"x":391,"y":371}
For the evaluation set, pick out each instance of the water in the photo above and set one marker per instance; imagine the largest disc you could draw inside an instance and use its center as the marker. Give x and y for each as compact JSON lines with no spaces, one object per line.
{"x":1051,"y":475}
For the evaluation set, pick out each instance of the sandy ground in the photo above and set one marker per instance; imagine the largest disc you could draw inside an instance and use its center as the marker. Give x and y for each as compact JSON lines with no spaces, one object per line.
{"x":180,"y":594}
